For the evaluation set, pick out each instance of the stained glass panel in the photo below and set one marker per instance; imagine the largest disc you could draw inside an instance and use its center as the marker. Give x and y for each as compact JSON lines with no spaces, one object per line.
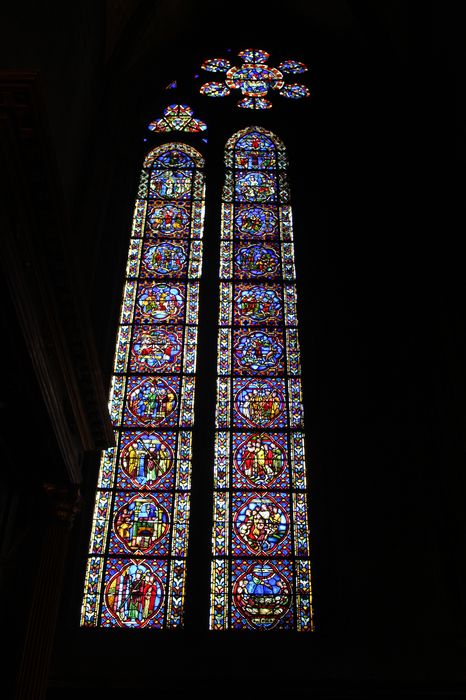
{"x":260,"y":577}
{"x":136,"y":569}
{"x":254,"y":78}
{"x":178,"y":117}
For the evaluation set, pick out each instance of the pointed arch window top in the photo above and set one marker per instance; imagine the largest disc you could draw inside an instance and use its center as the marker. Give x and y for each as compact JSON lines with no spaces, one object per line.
{"x":178,"y":117}
{"x":174,"y":155}
{"x":255,"y":79}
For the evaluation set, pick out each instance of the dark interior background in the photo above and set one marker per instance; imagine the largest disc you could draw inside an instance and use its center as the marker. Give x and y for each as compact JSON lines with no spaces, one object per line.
{"x":377,"y":181}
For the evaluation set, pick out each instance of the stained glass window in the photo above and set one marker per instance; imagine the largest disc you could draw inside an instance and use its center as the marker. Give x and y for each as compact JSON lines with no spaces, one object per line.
{"x":136,"y":567}
{"x":254,"y":78}
{"x":178,"y":118}
{"x":260,"y":576}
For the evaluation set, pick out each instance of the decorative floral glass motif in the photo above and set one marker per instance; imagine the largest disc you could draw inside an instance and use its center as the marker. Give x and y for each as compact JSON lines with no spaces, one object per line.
{"x":255,"y":79}
{"x":136,"y":568}
{"x":178,"y":118}
{"x":260,"y":576}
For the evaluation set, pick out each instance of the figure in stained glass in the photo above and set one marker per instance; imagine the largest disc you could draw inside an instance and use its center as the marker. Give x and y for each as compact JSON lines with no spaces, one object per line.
{"x":160,"y":301}
{"x":156,"y":348}
{"x":255,"y":79}
{"x":259,"y":460}
{"x":254,"y":103}
{"x":254,"y":55}
{"x":134,"y":595}
{"x":256,"y":304}
{"x":261,"y":524}
{"x":259,"y":403}
{"x":147,"y":457}
{"x":255,"y":260}
{"x":165,"y":259}
{"x":255,"y":152}
{"x":168,"y":219}
{"x":262,"y":595}
{"x":259,"y":351}
{"x":135,"y":574}
{"x":260,"y":507}
{"x":153,"y":400}
{"x":170,"y":184}
{"x":140,"y":523}
{"x":255,"y":187}
{"x":256,"y":221}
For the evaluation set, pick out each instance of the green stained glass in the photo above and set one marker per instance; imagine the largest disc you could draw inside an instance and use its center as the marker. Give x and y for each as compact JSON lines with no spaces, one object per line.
{"x":135,"y":575}
{"x":260,"y":572}
{"x":177,"y":117}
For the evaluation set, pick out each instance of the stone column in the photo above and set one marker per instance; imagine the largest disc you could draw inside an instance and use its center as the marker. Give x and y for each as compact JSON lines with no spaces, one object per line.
{"x":64,"y":502}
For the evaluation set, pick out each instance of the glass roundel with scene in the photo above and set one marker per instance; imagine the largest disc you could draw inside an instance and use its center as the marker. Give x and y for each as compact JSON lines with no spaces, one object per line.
{"x":136,"y":567}
{"x":255,"y":79}
{"x":260,"y":575}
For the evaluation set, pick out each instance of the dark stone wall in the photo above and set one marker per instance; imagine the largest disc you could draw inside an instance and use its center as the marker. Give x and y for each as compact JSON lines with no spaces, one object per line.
{"x":378,"y":210}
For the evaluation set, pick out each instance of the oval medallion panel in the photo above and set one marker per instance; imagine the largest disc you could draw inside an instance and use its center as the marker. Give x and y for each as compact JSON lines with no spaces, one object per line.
{"x":262,"y":595}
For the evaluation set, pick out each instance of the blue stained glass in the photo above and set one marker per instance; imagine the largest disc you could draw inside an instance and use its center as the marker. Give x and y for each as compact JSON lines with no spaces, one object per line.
{"x":260,"y":460}
{"x":156,"y":349}
{"x":257,"y":304}
{"x":254,"y":55}
{"x":177,"y":117}
{"x":295,"y":91}
{"x":165,"y":259}
{"x":134,"y":593}
{"x":170,"y":184}
{"x":261,"y":524}
{"x":258,"y":159}
{"x":215,"y":90}
{"x":293,"y":67}
{"x":141,"y":524}
{"x":168,"y":219}
{"x":256,"y":221}
{"x":259,"y":403}
{"x":257,"y":260}
{"x":255,"y":103}
{"x":136,"y":575}
{"x":258,"y":352}
{"x":254,"y":78}
{"x":260,"y":499}
{"x":262,"y":595}
{"x":216,"y":65}
{"x":152,"y":401}
{"x":147,"y":460}
{"x":159,"y":301}
{"x":255,"y":187}
{"x":173,"y":158}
